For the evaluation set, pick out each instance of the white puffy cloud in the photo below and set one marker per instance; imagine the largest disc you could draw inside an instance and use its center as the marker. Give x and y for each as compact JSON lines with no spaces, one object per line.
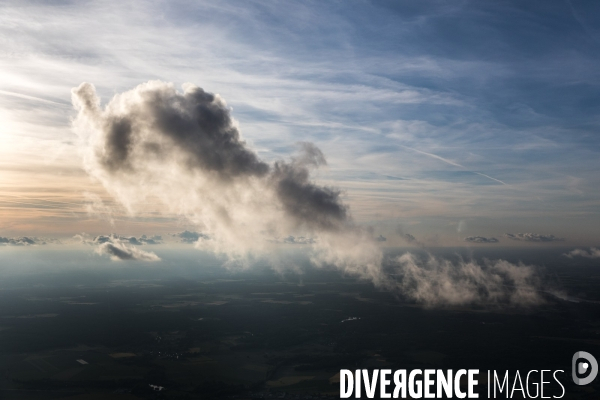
{"x":593,"y":252}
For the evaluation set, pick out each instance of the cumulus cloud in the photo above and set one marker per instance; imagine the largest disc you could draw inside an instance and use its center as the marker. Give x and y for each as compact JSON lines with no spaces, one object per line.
{"x":119,"y":251}
{"x":593,"y":252}
{"x":121,"y":247}
{"x":532,"y":237}
{"x":381,"y":238}
{"x":436,"y":281}
{"x":185,"y":151}
{"x":481,"y":239}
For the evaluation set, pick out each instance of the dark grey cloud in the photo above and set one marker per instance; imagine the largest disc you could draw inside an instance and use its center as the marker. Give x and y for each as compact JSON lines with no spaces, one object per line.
{"x":532,"y":237}
{"x":481,"y":239}
{"x":314,"y":206}
{"x":381,"y":238}
{"x":115,"y":251}
{"x":196,"y":122}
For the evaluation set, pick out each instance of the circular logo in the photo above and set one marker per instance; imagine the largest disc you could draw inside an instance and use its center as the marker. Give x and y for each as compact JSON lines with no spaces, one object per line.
{"x":589,"y":366}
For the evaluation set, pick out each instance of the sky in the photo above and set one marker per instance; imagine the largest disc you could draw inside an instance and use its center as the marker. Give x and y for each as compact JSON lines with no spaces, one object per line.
{"x":442,"y":123}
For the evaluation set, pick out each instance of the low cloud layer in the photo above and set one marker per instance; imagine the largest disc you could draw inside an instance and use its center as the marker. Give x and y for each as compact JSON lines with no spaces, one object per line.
{"x":20,"y":241}
{"x":436,"y":281}
{"x":185,"y":151}
{"x":190,"y":237}
{"x":481,"y":239}
{"x":593,"y":252}
{"x":142,"y":240}
{"x":113,"y":237}
{"x":121,"y":248}
{"x":26,"y":241}
{"x":532,"y":237}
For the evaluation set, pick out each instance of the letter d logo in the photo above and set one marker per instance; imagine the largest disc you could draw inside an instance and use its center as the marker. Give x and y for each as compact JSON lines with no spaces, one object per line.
{"x":583,"y":367}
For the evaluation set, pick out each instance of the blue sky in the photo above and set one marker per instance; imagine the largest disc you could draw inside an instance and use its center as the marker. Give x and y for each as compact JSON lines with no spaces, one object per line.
{"x":429,"y":112}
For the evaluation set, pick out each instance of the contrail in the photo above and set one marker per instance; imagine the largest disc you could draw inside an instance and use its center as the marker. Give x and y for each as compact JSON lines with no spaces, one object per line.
{"x":24,"y":96}
{"x":436,"y":157}
{"x":452,"y":163}
{"x":489,"y":177}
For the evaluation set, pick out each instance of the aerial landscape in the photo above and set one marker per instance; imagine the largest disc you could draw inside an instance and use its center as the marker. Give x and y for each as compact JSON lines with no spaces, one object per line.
{"x":275,"y":199}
